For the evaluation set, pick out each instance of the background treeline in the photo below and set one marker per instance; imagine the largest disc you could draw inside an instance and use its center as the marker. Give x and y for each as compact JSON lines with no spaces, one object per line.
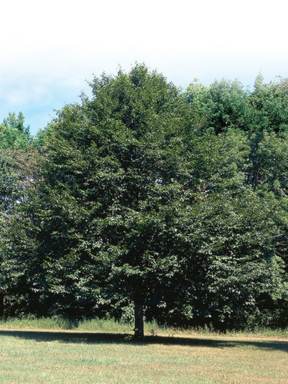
{"x":148,"y":198}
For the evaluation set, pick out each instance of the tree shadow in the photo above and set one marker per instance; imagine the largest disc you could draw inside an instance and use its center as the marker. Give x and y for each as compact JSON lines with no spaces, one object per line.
{"x":117,"y":338}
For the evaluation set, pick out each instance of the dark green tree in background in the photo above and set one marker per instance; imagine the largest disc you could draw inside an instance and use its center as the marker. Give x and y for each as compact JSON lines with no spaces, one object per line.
{"x":17,"y":174}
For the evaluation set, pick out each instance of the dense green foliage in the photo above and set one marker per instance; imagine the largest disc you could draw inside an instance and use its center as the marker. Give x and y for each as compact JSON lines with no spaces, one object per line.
{"x":17,"y":167}
{"x":173,"y":200}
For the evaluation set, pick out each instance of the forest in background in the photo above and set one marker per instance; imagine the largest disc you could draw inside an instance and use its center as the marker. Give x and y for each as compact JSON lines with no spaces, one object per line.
{"x":149,"y":200}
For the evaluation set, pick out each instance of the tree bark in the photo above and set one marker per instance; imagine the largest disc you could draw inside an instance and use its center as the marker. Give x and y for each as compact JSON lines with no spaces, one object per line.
{"x":139,"y":320}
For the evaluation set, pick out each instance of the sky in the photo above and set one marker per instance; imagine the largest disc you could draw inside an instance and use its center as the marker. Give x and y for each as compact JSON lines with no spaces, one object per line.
{"x":50,"y":49}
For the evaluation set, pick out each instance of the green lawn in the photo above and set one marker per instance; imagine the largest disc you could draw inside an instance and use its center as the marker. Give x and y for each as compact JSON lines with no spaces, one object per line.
{"x":43,"y":356}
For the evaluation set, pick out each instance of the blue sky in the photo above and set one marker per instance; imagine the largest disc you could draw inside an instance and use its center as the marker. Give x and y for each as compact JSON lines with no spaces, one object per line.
{"x":50,"y":49}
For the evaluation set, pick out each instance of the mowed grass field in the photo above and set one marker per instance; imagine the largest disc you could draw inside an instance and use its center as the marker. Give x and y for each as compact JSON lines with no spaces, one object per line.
{"x":62,"y":356}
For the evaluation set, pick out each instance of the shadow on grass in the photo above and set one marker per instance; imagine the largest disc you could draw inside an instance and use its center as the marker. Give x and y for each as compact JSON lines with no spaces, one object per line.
{"x":117,"y":338}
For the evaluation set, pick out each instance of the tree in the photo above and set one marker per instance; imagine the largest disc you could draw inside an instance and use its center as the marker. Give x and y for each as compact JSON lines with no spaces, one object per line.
{"x":14,"y":133}
{"x":269,"y":105}
{"x":233,"y":265}
{"x":220,"y":106}
{"x":228,"y":258}
{"x":110,"y":177}
{"x":17,"y":170}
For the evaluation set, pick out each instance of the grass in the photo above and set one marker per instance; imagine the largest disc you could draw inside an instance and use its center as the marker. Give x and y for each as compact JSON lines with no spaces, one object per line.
{"x":112,"y":326}
{"x":97,"y":351}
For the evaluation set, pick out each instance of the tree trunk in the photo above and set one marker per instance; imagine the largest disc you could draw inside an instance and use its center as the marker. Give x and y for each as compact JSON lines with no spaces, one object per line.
{"x":139,"y":320}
